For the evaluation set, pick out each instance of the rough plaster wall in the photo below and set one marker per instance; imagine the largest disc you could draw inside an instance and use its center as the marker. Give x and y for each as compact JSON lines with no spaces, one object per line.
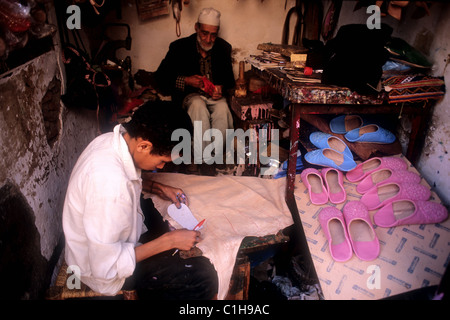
{"x":430,"y":35}
{"x":41,"y":172}
{"x":244,"y":23}
{"x":434,"y":162}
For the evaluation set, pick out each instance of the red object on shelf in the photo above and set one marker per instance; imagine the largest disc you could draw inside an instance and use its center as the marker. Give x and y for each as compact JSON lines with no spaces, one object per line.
{"x":14,"y":22}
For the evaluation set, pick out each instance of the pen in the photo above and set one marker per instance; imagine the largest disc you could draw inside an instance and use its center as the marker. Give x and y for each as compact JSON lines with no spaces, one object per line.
{"x":198,"y":226}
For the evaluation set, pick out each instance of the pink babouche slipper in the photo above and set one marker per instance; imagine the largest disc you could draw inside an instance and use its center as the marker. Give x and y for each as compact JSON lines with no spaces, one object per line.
{"x":362,"y":236}
{"x":313,"y":181}
{"x":384,"y":176}
{"x":334,"y":180}
{"x":401,"y":212}
{"x":333,"y":225}
{"x":384,"y":193}
{"x":372,"y":164}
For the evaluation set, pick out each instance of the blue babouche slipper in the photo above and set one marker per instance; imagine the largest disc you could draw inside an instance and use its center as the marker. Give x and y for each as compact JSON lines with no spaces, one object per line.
{"x":325,"y":140}
{"x":345,"y":123}
{"x":371,"y":133}
{"x":330,"y":158}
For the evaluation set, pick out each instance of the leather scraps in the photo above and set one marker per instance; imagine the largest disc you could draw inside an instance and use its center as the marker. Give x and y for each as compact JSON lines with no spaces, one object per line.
{"x":208,"y":86}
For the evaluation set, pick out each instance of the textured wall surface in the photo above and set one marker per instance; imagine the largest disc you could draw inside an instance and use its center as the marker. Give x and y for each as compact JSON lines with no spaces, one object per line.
{"x":40,"y":141}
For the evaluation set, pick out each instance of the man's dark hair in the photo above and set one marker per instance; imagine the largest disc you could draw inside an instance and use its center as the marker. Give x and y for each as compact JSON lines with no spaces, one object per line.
{"x":155,"y":121}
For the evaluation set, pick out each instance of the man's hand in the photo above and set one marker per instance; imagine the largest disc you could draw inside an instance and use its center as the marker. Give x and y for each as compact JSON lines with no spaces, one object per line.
{"x":195,"y":81}
{"x":181,"y":239}
{"x":217,"y":94}
{"x":184,"y":239}
{"x":176,"y":195}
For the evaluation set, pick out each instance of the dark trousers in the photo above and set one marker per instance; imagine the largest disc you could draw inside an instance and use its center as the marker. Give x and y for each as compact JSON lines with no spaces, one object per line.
{"x":166,"y":276}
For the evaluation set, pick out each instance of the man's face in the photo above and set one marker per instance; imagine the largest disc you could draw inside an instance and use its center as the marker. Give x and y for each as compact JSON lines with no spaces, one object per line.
{"x":206,"y":35}
{"x":145,"y":160}
{"x":154,"y":161}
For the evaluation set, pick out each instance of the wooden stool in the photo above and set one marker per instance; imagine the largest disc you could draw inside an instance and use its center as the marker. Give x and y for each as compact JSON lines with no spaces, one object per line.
{"x":60,"y":290}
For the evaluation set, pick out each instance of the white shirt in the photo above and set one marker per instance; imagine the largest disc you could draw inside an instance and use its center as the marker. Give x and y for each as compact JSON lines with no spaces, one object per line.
{"x":102,"y":218}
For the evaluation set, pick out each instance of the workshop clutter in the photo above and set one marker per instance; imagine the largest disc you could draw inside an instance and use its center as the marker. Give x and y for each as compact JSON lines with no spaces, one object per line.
{"x":20,"y":22}
{"x":389,"y":190}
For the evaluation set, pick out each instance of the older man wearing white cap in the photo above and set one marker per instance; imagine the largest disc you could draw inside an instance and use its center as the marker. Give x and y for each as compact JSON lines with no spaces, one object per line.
{"x":197,"y":72}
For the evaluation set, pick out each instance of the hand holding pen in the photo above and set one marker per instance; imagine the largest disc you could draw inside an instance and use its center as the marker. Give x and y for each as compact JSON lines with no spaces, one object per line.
{"x":196,"y":228}
{"x":181,"y":198}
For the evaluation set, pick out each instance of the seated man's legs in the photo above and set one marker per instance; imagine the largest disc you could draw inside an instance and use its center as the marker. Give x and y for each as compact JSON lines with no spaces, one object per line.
{"x":196,"y":107}
{"x":213,"y":114}
{"x":167,"y":277}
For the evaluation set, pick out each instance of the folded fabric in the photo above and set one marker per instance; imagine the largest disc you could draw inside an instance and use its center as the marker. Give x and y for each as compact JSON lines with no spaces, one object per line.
{"x":407,"y":88}
{"x":325,"y":140}
{"x":362,"y":236}
{"x":403,"y":51}
{"x":333,"y":225}
{"x":382,"y":194}
{"x":375,"y":163}
{"x":371,"y":133}
{"x":312,"y":179}
{"x":333,"y":180}
{"x":386,"y":175}
{"x":330,"y":158}
{"x":404,"y":211}
{"x":345,"y":123}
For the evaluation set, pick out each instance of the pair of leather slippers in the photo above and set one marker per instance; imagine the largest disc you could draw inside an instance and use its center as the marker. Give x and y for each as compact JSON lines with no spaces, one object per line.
{"x":324,"y":185}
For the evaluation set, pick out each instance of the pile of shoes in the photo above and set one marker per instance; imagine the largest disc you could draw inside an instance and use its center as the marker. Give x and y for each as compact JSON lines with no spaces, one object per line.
{"x":387,"y":186}
{"x":333,"y":152}
{"x":396,"y":193}
{"x":357,"y":129}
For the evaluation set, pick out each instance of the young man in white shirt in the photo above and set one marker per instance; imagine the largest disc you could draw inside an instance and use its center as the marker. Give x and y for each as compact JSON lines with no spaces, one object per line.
{"x":103,"y":219}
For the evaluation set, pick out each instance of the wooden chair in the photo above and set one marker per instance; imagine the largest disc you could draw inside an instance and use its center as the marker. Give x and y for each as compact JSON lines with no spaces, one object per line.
{"x":60,"y":290}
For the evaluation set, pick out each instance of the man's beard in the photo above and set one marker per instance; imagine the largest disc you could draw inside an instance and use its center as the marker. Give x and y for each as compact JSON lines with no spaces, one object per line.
{"x":203,"y":46}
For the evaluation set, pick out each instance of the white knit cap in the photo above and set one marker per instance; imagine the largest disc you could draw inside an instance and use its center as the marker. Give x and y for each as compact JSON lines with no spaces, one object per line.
{"x":209,"y":16}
